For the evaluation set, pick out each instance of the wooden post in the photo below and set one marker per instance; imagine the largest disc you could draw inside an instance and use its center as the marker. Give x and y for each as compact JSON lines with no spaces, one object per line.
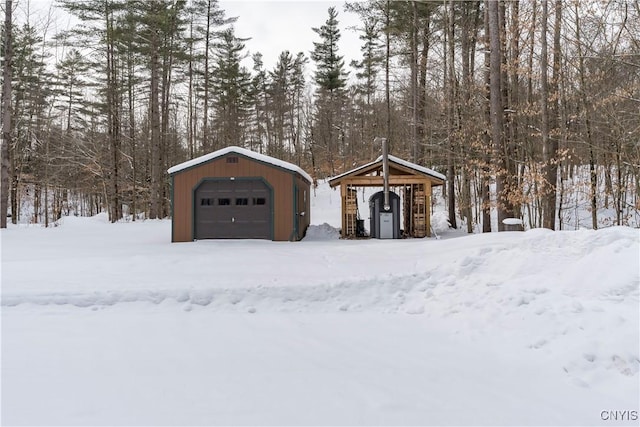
{"x":343,"y":208}
{"x":427,"y":201}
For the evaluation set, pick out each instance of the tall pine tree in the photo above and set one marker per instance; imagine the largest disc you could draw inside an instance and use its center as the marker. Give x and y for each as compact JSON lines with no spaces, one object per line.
{"x":331,"y":81}
{"x":231,"y":91}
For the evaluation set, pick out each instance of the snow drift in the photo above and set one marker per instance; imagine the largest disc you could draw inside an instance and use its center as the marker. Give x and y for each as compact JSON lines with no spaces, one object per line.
{"x":112,"y":324}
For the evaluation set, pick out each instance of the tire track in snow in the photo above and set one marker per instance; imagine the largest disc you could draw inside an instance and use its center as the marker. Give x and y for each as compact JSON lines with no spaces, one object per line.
{"x":379,"y":294}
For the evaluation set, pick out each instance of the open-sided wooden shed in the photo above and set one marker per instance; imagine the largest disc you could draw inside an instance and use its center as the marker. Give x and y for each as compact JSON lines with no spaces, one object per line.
{"x":414,"y":181}
{"x":235,"y":193}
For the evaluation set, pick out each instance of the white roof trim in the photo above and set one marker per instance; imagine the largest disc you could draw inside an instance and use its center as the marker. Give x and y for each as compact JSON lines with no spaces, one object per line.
{"x":398,"y":161}
{"x":243,"y":151}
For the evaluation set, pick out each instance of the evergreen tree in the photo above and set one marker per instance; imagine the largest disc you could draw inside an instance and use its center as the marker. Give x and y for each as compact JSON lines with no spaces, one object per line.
{"x":32,"y":92}
{"x":260,"y":122}
{"x":368,"y":67}
{"x":70,"y":82}
{"x":100,"y":28}
{"x":207,"y":19}
{"x":331,"y":79}
{"x":367,"y":70}
{"x":298,"y":87}
{"x":231,"y":90}
{"x":282,"y":104}
{"x":330,"y":75}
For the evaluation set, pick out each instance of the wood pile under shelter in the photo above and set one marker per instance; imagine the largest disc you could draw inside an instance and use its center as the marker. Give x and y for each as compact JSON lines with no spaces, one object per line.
{"x":414,"y":182}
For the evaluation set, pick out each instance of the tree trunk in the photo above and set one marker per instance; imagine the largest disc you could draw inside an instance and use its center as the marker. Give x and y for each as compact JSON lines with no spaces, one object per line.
{"x":452,"y":122}
{"x":552,"y":171}
{"x":587,"y":122}
{"x":113,"y":117}
{"x":206,"y":147}
{"x":387,"y":58}
{"x":467,"y":46}
{"x":156,"y":160}
{"x":414,"y":82}
{"x":132,"y":134}
{"x":6,"y":114}
{"x":515,"y":151}
{"x":13,"y":178}
{"x":164,"y":126}
{"x":495,"y":102}
{"x":424,"y":114}
{"x":485,"y":189}
{"x":548,"y":211}
{"x":46,"y":184}
{"x":503,"y":175}
{"x":549,"y":118}
{"x":190,"y":97}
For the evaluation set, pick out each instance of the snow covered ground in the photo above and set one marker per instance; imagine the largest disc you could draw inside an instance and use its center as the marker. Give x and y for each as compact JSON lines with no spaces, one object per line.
{"x":111,"y":324}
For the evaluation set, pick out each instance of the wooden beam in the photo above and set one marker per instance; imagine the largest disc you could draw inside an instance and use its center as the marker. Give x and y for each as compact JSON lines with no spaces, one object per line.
{"x":378,"y":181}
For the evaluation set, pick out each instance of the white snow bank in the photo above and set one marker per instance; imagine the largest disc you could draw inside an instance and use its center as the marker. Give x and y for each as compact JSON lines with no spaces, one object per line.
{"x":78,"y":221}
{"x":440,"y":222}
{"x":322,"y":232}
{"x":112,"y":324}
{"x":578,"y":290}
{"x":103,"y":264}
{"x":512,"y":221}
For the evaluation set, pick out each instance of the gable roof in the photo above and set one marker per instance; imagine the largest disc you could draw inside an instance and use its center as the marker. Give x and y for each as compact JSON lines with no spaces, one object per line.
{"x":392,"y":159}
{"x":244,"y":152}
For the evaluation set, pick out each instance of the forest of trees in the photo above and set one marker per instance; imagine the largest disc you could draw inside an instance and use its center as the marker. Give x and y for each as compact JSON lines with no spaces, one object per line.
{"x":526,"y":106}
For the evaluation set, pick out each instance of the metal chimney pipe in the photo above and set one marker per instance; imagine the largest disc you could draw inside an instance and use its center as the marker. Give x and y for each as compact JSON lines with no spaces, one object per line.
{"x":385,"y":171}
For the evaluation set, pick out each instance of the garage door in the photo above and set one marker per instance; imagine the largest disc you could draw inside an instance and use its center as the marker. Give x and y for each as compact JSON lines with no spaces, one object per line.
{"x":233,"y":209}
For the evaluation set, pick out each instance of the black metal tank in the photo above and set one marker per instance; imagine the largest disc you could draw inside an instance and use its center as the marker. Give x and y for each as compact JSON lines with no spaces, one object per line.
{"x":384,"y":224}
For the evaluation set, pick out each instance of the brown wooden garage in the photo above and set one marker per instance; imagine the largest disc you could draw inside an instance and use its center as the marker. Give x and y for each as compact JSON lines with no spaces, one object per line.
{"x":235,"y":193}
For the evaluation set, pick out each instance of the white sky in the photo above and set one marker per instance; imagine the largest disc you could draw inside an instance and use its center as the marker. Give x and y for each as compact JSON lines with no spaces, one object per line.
{"x":272,"y":25}
{"x":275,"y":26}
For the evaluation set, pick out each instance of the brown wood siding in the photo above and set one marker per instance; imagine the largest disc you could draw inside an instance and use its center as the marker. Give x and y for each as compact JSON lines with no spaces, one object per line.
{"x":304,"y":205}
{"x":280,"y":180}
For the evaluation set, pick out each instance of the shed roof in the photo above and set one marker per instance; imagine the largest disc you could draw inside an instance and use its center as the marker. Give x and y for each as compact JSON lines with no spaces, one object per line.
{"x":244,"y":152}
{"x":438,"y":177}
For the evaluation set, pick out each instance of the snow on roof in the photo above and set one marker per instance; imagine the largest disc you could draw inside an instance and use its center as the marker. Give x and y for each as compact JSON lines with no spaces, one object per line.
{"x":414,"y":166}
{"x":243,"y":151}
{"x":399,"y":161}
